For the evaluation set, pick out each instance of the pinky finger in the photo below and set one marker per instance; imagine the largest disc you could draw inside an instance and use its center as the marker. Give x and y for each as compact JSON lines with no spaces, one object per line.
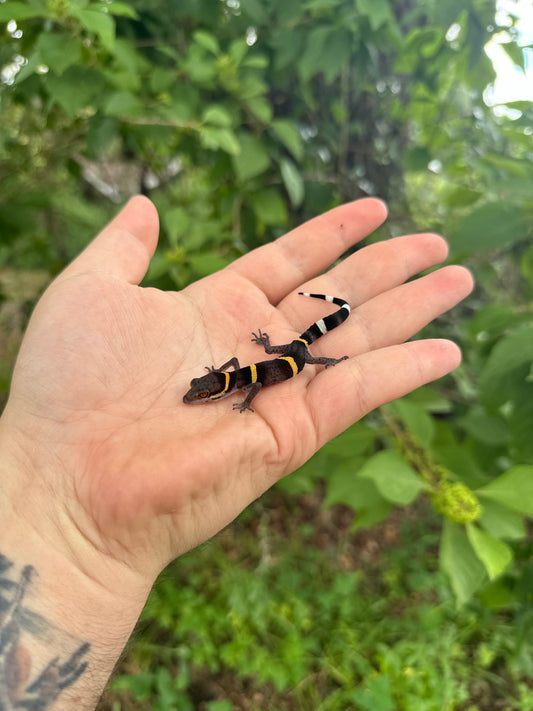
{"x":340,"y":396}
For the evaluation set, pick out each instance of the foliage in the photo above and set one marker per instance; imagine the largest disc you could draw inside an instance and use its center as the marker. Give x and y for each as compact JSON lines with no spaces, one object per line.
{"x":241,"y":119}
{"x":383,"y":635}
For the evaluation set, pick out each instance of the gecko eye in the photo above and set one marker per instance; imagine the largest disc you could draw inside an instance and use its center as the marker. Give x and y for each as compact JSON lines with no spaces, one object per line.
{"x":204,"y":393}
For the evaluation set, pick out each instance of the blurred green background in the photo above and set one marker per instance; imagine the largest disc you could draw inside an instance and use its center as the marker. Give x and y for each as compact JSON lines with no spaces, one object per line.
{"x":394,"y":570}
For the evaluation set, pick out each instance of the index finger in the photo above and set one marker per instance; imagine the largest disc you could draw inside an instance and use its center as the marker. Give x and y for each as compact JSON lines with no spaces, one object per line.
{"x":281,"y":266}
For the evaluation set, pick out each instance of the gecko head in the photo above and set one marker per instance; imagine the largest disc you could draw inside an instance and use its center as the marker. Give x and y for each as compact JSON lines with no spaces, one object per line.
{"x":208,"y":387}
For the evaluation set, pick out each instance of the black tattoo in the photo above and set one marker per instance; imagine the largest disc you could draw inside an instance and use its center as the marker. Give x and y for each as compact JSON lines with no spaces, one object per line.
{"x":21,"y":685}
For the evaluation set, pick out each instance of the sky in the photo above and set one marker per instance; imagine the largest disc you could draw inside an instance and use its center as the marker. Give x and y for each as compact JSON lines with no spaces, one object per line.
{"x":512,"y":83}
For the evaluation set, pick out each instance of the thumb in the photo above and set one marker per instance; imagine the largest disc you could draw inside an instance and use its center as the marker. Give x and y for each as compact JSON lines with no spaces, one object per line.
{"x":123,"y":248}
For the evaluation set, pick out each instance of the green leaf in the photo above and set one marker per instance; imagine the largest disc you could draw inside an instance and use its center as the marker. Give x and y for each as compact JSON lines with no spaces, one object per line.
{"x":12,"y":10}
{"x":491,"y":430}
{"x":475,"y":39}
{"x":176,"y":222}
{"x":129,"y":57}
{"x":102,"y":131}
{"x":293,"y":182}
{"x":118,"y":8}
{"x":344,"y":486}
{"x":493,"y":553}
{"x":288,"y":45}
{"x":460,"y":562}
{"x":377,"y":695}
{"x":502,"y":522}
{"x":507,"y":368}
{"x":357,"y":439}
{"x":224,"y":705}
{"x":499,"y":594}
{"x":138,"y":684}
{"x":311,"y":62}
{"x":417,"y":158}
{"x":447,"y":12}
{"x":415,"y":419}
{"x":214,"y":138}
{"x":261,"y":108}
{"x":207,"y":263}
{"x":431,"y":400}
{"x":513,"y":489}
{"x":336,"y":55}
{"x":58,"y":50}
{"x":75,"y":89}
{"x":207,"y":41}
{"x":238,"y":49}
{"x":162,"y":79}
{"x":377,"y":11}
{"x":256,"y":61}
{"x":371,"y":515}
{"x":99,"y":23}
{"x":269,"y":207}
{"x":218,"y":116}
{"x":461,"y":461}
{"x":289,"y":135}
{"x":494,"y":320}
{"x":396,"y":481}
{"x":122,"y":103}
{"x":253,"y":158}
{"x":251,"y":86}
{"x":304,"y":479}
{"x":495,"y":225}
{"x":199,"y":66}
{"x":255,"y":10}
{"x":461,"y":196}
{"x":520,"y":419}
{"x":422,"y":42}
{"x":526,"y":264}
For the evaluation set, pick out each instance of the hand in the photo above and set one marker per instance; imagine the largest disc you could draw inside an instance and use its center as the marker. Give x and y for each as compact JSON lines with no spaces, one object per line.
{"x":96,"y":418}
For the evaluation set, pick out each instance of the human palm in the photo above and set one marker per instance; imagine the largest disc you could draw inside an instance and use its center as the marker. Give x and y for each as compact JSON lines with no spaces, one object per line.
{"x":97,"y":391}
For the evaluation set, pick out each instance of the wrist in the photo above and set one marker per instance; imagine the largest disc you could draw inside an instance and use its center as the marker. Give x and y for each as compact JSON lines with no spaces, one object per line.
{"x":70,"y":610}
{"x":63,"y":632}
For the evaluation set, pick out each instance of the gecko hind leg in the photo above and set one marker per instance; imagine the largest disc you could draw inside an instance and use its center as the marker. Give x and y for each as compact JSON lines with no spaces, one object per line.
{"x":327,"y":362}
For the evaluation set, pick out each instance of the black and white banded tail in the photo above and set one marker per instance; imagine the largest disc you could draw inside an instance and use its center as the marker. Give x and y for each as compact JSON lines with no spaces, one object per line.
{"x":328,"y":323}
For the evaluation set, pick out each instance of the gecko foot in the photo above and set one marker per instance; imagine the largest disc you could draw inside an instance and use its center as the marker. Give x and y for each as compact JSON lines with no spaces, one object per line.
{"x":262,"y":339}
{"x":242,"y":406}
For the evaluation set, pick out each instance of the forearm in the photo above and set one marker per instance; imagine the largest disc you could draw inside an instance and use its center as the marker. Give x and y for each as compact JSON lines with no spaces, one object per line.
{"x":61,"y":631}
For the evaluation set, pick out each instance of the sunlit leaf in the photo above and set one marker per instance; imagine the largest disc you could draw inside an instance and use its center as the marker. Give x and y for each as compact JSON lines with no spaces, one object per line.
{"x":293,"y":181}
{"x":289,"y":135}
{"x":500,"y":521}
{"x":396,"y":481}
{"x":119,"y":8}
{"x":514,"y":489}
{"x":99,"y":23}
{"x":493,"y":553}
{"x":460,"y":562}
{"x":207,"y":41}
